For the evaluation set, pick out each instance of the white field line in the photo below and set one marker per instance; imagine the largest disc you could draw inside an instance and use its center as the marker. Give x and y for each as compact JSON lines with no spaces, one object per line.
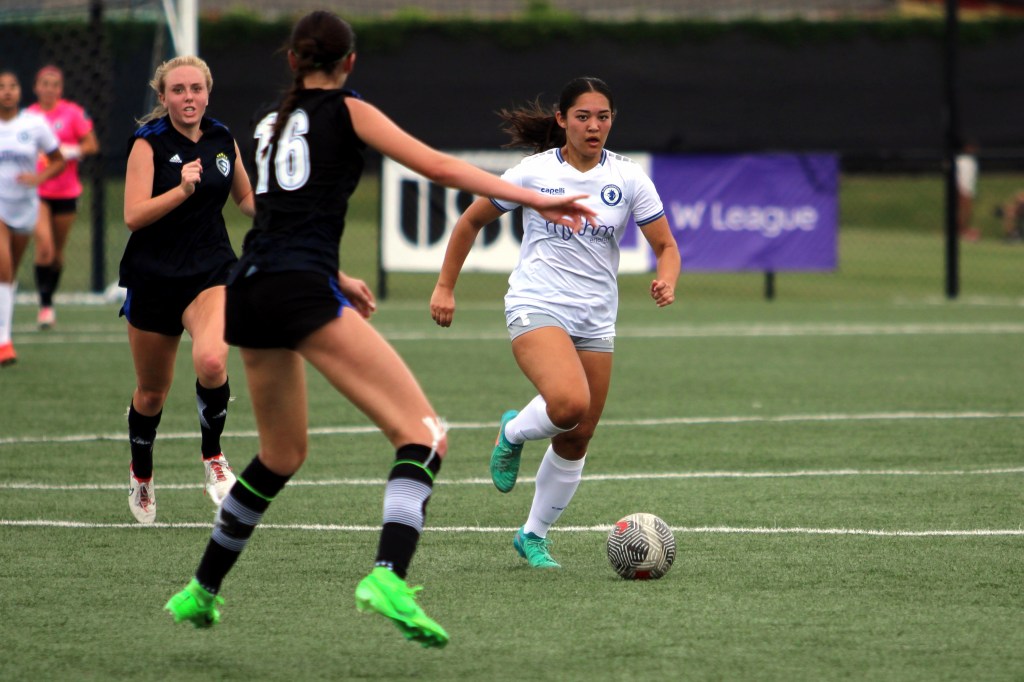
{"x":658,"y":421}
{"x":694,"y":530}
{"x":107,"y":334}
{"x":663,"y":476}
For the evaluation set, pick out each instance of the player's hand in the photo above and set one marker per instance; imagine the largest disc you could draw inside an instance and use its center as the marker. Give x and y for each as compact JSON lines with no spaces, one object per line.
{"x":28,"y":179}
{"x":663,"y":293}
{"x":358,"y":294}
{"x":191,"y":175}
{"x":442,"y":305}
{"x":566,"y":211}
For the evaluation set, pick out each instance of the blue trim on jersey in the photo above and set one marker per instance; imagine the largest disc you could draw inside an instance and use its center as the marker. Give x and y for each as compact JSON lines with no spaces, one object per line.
{"x":561,"y":159}
{"x":154,"y":127}
{"x":494,"y":202}
{"x":342,"y":299}
{"x":214,"y":123}
{"x":647,"y":221}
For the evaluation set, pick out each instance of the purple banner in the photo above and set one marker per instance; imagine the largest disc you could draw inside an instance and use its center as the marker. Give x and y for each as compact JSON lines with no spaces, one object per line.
{"x":765,"y":212}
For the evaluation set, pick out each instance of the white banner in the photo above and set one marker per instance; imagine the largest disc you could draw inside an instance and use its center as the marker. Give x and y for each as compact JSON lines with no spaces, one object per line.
{"x":417,"y":218}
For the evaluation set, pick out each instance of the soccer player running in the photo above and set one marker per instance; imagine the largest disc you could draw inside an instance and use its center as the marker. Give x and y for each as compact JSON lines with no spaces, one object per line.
{"x":23,"y":137}
{"x":59,"y":195}
{"x":562,"y":299}
{"x":182,"y":166}
{"x":288,"y":304}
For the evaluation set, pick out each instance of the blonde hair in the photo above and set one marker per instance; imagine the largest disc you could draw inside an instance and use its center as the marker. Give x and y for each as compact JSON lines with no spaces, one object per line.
{"x":159,"y":81}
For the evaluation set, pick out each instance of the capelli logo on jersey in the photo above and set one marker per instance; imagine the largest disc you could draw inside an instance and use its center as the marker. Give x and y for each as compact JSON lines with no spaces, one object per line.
{"x":611,"y":195}
{"x":552,"y":190}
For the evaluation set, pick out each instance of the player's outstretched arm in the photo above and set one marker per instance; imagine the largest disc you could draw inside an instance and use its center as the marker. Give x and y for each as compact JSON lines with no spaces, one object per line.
{"x":384,"y":135}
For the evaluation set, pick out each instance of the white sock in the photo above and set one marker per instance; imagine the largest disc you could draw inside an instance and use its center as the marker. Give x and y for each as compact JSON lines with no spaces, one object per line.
{"x":6,"y":311}
{"x":557,"y":480}
{"x":532,"y":423}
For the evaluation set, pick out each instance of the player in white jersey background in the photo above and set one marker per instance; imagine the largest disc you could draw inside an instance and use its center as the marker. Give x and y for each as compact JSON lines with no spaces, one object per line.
{"x":23,"y":137}
{"x":562,"y":299}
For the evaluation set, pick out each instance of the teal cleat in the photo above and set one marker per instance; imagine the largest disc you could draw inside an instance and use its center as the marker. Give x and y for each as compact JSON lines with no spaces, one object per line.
{"x":195,"y":605}
{"x":505,"y":457}
{"x":534,"y":549}
{"x":385,"y":593}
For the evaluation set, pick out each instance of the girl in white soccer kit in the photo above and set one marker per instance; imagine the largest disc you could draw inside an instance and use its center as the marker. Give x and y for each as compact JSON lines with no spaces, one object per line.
{"x":23,"y":137}
{"x":562,"y":299}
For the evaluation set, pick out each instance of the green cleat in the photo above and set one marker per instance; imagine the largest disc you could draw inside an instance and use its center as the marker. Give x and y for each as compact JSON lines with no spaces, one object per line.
{"x":195,"y":605}
{"x":534,"y":549}
{"x":385,"y":593}
{"x":505,"y":457}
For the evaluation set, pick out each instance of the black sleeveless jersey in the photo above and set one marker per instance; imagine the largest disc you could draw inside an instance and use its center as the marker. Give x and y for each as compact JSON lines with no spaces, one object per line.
{"x":303,"y":183}
{"x":191,"y":239}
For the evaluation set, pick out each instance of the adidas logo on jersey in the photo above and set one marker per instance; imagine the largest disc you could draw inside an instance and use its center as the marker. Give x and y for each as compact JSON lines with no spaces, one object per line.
{"x":174,"y":159}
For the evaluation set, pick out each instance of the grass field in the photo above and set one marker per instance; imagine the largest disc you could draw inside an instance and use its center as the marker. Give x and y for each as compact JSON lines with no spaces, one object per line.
{"x":843,"y":478}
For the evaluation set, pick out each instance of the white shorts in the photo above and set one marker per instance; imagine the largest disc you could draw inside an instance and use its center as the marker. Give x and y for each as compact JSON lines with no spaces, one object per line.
{"x":19,"y":215}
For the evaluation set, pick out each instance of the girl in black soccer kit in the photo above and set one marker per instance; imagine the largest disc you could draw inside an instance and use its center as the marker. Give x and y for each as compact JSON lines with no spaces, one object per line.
{"x":287,"y":304}
{"x":181,"y":168}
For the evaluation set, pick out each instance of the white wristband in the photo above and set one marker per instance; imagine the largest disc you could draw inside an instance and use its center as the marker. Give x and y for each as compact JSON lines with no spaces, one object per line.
{"x":71,"y":151}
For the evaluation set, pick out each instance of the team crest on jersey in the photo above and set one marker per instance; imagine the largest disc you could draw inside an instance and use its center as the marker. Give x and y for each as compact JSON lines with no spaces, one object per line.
{"x":611,"y":195}
{"x":23,"y":137}
{"x":223,"y":164}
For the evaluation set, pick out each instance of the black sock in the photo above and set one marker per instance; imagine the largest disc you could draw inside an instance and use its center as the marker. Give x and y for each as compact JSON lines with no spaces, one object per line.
{"x":44,"y":285}
{"x":405,"y":504}
{"x":141,"y":435}
{"x":213,"y":413}
{"x":237,"y":518}
{"x":55,"y":273}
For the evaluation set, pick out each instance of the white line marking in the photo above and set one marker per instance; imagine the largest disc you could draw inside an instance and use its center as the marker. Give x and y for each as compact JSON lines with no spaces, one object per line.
{"x":662,"y":421}
{"x":682,"y":475}
{"x":105,"y":334}
{"x":703,"y":530}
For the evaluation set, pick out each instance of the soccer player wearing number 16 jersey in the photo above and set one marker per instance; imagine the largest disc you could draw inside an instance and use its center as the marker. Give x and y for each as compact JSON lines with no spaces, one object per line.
{"x":288,"y":305}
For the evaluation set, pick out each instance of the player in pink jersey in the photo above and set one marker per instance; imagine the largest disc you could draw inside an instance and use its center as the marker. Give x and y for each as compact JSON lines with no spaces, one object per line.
{"x":59,"y":196}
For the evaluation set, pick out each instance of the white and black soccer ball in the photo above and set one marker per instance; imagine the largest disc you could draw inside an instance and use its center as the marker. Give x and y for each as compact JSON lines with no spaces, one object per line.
{"x":641,"y":547}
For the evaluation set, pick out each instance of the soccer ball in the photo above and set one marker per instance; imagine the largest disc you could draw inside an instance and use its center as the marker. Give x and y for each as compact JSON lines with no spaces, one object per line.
{"x":641,"y":547}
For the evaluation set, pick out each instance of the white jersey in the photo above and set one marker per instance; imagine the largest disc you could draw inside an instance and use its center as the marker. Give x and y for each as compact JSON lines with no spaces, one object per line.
{"x":573,"y":277}
{"x":967,"y":174}
{"x":22,"y":139}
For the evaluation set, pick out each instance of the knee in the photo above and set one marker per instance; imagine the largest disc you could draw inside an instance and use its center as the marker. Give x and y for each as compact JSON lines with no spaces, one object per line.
{"x":566,"y":413}
{"x":211,"y":369}
{"x":149,"y":400}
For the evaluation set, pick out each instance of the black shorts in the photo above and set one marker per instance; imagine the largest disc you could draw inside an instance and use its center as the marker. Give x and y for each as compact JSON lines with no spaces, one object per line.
{"x":61,"y":206}
{"x":159,"y":305}
{"x":280,"y":309}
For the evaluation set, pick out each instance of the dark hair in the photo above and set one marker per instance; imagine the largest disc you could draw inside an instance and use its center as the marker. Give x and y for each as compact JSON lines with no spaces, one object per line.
{"x":319,"y":41}
{"x":534,"y":126}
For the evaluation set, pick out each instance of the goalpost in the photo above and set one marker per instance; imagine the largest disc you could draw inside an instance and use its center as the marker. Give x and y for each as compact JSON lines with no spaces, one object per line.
{"x":183,"y":20}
